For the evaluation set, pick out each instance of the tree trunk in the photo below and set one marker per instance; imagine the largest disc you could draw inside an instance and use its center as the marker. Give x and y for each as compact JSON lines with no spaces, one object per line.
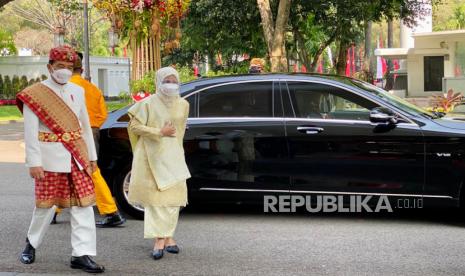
{"x":368,"y":26}
{"x":277,"y":37}
{"x":316,"y":58}
{"x":301,"y":49}
{"x":390,"y":37}
{"x":390,"y":43}
{"x":278,"y":63}
{"x":267,"y":23}
{"x":368,"y":50}
{"x":342,"y":58}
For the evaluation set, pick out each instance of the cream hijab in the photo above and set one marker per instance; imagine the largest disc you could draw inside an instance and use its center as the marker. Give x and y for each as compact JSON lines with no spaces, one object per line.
{"x":161,"y":74}
{"x":169,"y":101}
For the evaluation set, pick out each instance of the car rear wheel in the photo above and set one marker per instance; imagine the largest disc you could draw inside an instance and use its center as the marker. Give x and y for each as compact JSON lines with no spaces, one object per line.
{"x":121,"y":195}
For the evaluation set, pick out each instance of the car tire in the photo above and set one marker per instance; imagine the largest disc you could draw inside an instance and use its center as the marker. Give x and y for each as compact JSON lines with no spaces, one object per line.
{"x":121,"y":186}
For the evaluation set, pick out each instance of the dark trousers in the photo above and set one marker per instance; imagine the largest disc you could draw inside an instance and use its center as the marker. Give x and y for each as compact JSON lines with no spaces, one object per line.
{"x":96,"y":133}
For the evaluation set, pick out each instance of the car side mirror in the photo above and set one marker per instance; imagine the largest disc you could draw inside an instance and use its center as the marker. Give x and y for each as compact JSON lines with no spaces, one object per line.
{"x":382,"y":115}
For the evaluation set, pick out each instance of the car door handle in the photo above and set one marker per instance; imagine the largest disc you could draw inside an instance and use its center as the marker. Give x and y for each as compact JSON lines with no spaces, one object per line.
{"x":310,"y":130}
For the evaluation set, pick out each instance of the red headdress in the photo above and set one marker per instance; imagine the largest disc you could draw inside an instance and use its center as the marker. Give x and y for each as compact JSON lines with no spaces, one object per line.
{"x":63,"y":53}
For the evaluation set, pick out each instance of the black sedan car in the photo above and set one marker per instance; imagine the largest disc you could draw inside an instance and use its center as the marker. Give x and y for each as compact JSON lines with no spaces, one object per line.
{"x":302,"y":134}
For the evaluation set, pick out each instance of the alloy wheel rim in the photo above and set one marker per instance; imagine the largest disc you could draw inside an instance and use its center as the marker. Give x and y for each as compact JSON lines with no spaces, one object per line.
{"x":126,"y":184}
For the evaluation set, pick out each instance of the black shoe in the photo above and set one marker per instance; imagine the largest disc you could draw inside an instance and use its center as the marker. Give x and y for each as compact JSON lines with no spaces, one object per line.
{"x":157,"y":254}
{"x":28,"y":256}
{"x":86,"y":264}
{"x":173,"y":249}
{"x":54,"y":220}
{"x":112,"y":220}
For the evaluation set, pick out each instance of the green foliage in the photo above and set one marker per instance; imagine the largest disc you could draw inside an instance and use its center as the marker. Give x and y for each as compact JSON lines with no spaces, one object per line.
{"x":124,"y":97}
{"x":15,"y":84}
{"x":23,"y":83}
{"x":222,"y":26}
{"x":146,"y":83}
{"x":459,"y":16}
{"x":7,"y":87}
{"x":186,"y":74}
{"x":10,"y":86}
{"x":450,"y":16}
{"x":7,"y":44}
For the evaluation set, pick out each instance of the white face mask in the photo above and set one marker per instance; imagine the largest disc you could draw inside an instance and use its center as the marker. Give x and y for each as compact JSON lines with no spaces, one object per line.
{"x":62,"y":76}
{"x":170,"y":89}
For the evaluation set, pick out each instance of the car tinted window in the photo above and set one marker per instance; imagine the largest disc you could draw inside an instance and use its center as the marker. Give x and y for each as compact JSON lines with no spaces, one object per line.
{"x":124,"y":118}
{"x":253,"y":99}
{"x":320,"y":101}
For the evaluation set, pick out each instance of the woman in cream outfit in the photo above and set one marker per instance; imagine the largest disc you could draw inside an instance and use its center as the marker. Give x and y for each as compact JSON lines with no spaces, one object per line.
{"x":159,"y":170}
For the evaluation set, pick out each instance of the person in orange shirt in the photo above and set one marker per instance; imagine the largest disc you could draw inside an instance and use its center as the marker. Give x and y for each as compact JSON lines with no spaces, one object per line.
{"x":97,"y":110}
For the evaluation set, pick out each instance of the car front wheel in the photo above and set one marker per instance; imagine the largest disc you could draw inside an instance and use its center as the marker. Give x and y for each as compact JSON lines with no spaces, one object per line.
{"x":121,"y":194}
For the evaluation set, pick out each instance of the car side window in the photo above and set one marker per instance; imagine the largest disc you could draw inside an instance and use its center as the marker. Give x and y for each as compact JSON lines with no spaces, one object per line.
{"x":252,"y":99}
{"x":321,"y":101}
{"x":124,"y":118}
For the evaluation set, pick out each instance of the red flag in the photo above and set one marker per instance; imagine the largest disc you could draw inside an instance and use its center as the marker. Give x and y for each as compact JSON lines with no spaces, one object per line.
{"x":353,"y":59}
{"x":348,"y":63}
{"x":383,"y":61}
{"x":396,"y":67}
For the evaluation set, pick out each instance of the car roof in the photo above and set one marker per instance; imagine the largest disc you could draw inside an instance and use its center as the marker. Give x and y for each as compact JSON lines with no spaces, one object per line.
{"x":201,"y":82}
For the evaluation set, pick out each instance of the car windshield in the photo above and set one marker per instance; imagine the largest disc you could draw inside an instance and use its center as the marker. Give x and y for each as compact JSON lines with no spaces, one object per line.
{"x":394,"y":100}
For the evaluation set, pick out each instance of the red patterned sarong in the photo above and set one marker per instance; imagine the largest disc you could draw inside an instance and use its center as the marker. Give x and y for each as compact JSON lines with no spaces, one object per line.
{"x":65,"y":189}
{"x":61,"y":189}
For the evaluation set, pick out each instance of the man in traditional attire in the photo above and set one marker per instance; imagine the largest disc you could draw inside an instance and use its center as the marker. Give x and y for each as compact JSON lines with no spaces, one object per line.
{"x":61,"y":156}
{"x":97,"y":111}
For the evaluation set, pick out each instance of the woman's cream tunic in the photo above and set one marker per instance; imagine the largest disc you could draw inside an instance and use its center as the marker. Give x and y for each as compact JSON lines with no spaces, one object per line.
{"x":159,"y":170}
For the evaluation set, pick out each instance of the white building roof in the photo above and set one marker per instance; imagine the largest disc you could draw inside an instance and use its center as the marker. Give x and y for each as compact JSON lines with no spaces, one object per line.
{"x":451,"y":35}
{"x":399,"y":53}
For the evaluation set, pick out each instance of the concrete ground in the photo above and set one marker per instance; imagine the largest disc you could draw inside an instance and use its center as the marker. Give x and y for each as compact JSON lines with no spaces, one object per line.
{"x":235,"y":241}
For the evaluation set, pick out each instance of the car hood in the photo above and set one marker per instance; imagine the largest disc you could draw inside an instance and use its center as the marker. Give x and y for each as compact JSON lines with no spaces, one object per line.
{"x":451,"y":123}
{"x":454,"y":116}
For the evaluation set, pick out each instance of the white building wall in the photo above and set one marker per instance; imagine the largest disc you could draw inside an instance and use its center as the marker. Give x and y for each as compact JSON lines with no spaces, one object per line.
{"x":110,"y":74}
{"x":428,"y":46}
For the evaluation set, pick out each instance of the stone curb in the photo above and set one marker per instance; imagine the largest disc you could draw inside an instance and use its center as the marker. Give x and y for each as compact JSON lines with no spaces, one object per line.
{"x":11,"y":121}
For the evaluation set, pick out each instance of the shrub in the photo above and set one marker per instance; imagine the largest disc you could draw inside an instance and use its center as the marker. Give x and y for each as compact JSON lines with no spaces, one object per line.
{"x":186,"y":74}
{"x":7,"y":87}
{"x":146,"y":84}
{"x":125,"y":96}
{"x":23,"y":83}
{"x":1,"y":87}
{"x":15,"y":86}
{"x":446,"y":101}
